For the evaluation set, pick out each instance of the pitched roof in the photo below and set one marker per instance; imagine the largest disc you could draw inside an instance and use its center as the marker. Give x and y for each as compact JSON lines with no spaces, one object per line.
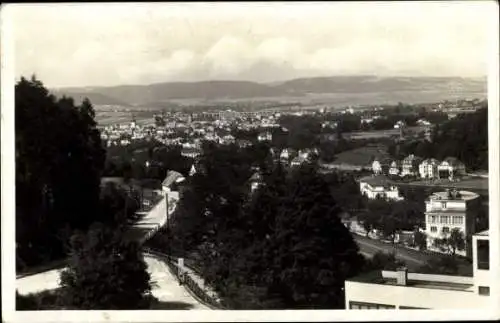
{"x":256,"y":177}
{"x":452,"y":161}
{"x":397,"y":162}
{"x":379,"y":180}
{"x":431,"y":161}
{"x":172,"y":176}
{"x":383,"y":160}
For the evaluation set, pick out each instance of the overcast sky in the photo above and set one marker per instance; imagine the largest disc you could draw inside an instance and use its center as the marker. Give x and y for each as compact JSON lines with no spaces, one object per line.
{"x":111,"y":44}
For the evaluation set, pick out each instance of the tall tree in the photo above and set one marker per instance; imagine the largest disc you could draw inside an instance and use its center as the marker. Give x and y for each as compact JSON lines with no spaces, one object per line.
{"x":59,"y":159}
{"x":295,"y":243}
{"x":452,"y":242}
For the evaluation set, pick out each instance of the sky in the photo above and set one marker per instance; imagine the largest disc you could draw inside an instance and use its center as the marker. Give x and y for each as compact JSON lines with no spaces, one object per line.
{"x":113,"y":44}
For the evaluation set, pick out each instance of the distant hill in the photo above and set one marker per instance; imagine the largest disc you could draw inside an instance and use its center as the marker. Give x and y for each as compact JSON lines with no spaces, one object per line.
{"x":356,"y":84}
{"x":211,"y":90}
{"x":96,"y":98}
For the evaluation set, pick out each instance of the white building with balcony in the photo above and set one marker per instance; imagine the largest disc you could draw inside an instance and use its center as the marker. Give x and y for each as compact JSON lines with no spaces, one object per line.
{"x":402,"y":290}
{"x":445,"y":211}
{"x":379,"y":186}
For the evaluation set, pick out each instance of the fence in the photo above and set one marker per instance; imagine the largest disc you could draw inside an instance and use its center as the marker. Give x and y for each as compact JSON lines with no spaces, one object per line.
{"x":197,"y":291}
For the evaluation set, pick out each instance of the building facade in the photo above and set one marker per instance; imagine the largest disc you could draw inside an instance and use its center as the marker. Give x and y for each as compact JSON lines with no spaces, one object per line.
{"x":395,"y":168}
{"x":381,"y":166}
{"x":445,"y":211}
{"x":410,"y":165}
{"x":379,"y":186}
{"x":451,"y":168}
{"x":429,"y":168}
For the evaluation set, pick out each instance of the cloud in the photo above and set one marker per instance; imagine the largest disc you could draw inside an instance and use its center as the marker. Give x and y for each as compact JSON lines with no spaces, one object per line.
{"x":70,"y":45}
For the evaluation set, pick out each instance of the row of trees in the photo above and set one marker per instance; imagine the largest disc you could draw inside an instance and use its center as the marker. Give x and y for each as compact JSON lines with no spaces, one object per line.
{"x":391,"y":217}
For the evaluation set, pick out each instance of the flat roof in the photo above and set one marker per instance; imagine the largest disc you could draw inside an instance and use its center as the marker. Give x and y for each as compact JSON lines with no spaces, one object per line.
{"x":375,"y":277}
{"x":464,"y":196}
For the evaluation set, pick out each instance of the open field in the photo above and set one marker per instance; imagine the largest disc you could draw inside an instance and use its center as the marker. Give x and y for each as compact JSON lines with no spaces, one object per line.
{"x":380,"y":133}
{"x":361,"y":156}
{"x":471,"y":183}
{"x":105,"y":118}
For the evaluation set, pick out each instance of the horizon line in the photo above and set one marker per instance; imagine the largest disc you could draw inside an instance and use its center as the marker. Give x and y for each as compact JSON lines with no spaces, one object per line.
{"x":255,"y":82}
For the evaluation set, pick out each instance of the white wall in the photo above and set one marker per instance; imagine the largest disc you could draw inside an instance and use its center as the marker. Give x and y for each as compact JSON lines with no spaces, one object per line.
{"x":482,"y":277}
{"x":430,"y":277}
{"x":372,"y":192}
{"x":413,"y":296}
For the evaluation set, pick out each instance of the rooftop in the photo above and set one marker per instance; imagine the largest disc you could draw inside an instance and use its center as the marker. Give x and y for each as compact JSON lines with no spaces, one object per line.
{"x":379,"y":180}
{"x":445,"y":196}
{"x":443,"y":282}
{"x":172,"y":176}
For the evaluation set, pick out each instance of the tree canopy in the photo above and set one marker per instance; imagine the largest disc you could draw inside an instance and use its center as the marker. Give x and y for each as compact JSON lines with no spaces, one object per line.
{"x":282,"y":246}
{"x":105,"y":272}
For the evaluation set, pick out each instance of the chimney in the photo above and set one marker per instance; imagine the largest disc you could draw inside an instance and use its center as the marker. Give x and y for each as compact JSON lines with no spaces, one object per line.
{"x":402,"y":276}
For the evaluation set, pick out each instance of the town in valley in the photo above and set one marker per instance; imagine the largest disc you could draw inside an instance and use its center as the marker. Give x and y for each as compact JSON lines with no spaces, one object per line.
{"x":348,"y":189}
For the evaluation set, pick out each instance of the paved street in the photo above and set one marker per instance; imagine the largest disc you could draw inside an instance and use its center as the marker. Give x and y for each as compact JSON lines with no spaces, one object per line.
{"x":165,"y":287}
{"x":412,"y":258}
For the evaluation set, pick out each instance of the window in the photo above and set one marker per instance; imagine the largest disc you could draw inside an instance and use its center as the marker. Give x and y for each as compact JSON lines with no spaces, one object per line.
{"x":446,"y":230}
{"x":434,"y":229}
{"x":369,"y":306}
{"x":432,"y":219}
{"x":483,"y":254}
{"x":443,"y":205}
{"x":458,"y":220}
{"x":444,"y":219}
{"x":484,"y":290}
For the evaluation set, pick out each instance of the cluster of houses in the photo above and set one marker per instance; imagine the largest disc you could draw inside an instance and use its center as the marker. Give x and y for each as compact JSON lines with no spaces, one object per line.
{"x":412,"y":166}
{"x":294,"y":158}
{"x":184,"y":130}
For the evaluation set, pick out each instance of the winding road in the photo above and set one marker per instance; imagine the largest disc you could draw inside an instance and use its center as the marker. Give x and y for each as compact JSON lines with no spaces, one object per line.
{"x":165,"y":286}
